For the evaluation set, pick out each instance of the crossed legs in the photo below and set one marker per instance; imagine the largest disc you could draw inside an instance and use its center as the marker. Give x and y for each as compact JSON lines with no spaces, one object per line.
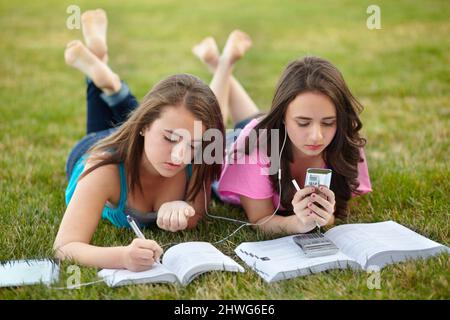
{"x":232,"y":97}
{"x":109,"y":100}
{"x":91,"y":60}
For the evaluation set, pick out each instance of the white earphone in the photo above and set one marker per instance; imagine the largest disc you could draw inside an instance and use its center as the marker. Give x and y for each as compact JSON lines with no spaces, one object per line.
{"x":245,"y":223}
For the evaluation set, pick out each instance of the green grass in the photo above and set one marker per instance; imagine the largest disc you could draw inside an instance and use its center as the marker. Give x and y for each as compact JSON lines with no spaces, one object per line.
{"x":401,"y":73}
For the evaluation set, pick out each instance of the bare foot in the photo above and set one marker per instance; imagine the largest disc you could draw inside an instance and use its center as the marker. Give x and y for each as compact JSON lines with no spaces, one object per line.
{"x":208,"y":52}
{"x":238,"y":43}
{"x":94,"y":26}
{"x":79,"y":57}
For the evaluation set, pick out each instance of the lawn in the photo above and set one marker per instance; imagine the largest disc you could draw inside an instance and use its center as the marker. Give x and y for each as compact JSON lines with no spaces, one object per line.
{"x":401,"y":74}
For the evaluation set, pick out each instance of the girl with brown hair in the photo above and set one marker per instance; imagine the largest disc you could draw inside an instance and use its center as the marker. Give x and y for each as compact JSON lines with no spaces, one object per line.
{"x":317,"y":119}
{"x":136,"y":159}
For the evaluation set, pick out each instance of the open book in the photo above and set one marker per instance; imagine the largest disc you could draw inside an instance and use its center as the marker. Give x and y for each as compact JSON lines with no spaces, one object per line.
{"x":180,"y":264}
{"x":360,"y":246}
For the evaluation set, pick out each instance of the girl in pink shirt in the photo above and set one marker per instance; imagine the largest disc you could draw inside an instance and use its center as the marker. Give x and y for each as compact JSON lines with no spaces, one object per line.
{"x":318,"y":121}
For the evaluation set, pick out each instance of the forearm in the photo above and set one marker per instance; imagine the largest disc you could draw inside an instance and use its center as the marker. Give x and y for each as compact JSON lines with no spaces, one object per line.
{"x":193,"y":221}
{"x":199,"y":206}
{"x":93,"y":256}
{"x":279,"y":224}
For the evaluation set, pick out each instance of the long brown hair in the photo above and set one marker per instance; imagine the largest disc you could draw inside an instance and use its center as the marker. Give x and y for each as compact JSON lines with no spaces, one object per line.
{"x":313,"y":74}
{"x":126,"y":144}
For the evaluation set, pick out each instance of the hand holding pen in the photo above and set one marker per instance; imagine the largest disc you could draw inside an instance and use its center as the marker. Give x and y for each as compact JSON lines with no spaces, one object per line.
{"x":142,"y":253}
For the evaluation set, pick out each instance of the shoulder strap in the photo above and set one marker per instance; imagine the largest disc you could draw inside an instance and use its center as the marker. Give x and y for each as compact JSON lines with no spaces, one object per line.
{"x":188,"y":177}
{"x":123,"y":187}
{"x":189,"y":171}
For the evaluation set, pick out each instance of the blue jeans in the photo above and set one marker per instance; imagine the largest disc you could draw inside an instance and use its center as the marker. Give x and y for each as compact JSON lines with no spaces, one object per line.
{"x":104,"y":114}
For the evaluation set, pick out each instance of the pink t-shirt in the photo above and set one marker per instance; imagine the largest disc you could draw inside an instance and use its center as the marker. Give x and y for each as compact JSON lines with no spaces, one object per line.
{"x":248,"y":176}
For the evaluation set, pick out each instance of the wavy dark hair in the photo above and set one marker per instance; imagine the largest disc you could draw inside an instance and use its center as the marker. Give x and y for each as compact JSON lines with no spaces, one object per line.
{"x":313,"y":74}
{"x":126,"y":144}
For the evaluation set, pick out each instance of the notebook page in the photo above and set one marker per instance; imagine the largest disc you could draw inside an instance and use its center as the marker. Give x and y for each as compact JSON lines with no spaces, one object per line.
{"x":113,"y":277}
{"x":363,"y":241}
{"x":199,"y":257}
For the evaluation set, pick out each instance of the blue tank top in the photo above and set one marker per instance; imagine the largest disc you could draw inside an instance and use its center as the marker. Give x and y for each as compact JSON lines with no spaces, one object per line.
{"x":117,"y":216}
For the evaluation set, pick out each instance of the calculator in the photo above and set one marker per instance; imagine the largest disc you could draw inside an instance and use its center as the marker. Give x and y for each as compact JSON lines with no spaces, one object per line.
{"x":315,"y":245}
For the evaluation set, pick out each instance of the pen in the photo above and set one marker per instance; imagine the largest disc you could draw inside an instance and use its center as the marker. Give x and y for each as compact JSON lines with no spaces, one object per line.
{"x":136,"y":230}
{"x":298,"y":189}
{"x":135,"y":227}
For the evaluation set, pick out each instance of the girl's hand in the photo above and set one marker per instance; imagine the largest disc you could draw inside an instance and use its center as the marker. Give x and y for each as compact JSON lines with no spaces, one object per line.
{"x":141,"y":254}
{"x":325,"y":198}
{"x":173,"y":216}
{"x":300,"y":205}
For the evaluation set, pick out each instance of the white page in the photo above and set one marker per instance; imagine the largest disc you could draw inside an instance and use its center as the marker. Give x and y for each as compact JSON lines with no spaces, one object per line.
{"x":363,"y":241}
{"x":198,"y":257}
{"x":27,"y":272}
{"x":268,"y":258}
{"x":113,"y":276}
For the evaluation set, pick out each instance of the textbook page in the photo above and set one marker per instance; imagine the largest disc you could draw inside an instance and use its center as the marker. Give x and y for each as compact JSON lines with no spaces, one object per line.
{"x":367,"y":242}
{"x":121,"y":277}
{"x":190,"y":259}
{"x":282,"y":258}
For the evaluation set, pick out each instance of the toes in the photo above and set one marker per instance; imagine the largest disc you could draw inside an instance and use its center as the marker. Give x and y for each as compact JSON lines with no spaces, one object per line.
{"x":87,"y":15}
{"x":76,"y":50}
{"x":206,"y":50}
{"x":196,"y":49}
{"x":97,"y":15}
{"x":237,"y":44}
{"x":73,"y":43}
{"x":72,"y":51}
{"x":211,"y":42}
{"x":101,"y":12}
